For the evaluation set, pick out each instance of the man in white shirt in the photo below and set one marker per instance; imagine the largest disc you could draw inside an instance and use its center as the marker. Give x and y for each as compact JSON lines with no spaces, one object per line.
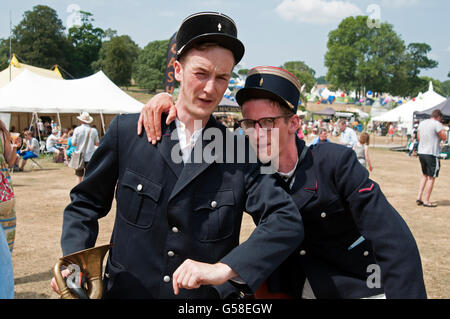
{"x":430,"y":133}
{"x":52,"y":141}
{"x":85,"y":137}
{"x":348,"y":135}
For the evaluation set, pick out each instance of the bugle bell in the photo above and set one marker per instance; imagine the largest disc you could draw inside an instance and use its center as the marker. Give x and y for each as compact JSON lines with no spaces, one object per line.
{"x":87,"y":263}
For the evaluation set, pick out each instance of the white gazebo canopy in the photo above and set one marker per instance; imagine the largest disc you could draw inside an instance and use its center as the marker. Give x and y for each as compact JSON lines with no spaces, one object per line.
{"x":404,"y":113}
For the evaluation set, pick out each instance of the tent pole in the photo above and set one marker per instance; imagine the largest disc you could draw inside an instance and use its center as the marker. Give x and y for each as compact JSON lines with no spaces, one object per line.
{"x":59,"y":121}
{"x":37,"y":127}
{"x":31,"y":122}
{"x":103,"y":122}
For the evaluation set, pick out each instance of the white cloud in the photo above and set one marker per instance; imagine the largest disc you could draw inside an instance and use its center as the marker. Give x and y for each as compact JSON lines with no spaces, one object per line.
{"x":317,"y":11}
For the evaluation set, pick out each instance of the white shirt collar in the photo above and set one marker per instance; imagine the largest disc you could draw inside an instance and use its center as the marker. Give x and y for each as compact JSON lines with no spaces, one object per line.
{"x":185,"y":147}
{"x":287,"y":176}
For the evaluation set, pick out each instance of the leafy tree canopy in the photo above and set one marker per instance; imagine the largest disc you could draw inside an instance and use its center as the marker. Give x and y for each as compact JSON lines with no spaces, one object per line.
{"x":151,"y":66}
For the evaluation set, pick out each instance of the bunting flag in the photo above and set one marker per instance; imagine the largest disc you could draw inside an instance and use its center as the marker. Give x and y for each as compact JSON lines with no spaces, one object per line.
{"x":169,"y":78}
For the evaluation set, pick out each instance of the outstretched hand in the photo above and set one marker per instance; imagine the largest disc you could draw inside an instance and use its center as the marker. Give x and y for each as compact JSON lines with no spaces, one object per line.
{"x":151,"y":115}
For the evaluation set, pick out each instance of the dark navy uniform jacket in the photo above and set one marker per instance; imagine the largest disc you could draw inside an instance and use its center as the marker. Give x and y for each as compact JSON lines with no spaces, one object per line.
{"x":168,"y":212}
{"x":352,"y":233}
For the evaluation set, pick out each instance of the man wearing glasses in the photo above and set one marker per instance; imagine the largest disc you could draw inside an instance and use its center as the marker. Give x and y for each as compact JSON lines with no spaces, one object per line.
{"x":356,"y":244}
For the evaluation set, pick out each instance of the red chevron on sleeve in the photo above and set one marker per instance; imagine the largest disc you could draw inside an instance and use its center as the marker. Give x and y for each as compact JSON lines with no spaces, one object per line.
{"x":366,"y":189}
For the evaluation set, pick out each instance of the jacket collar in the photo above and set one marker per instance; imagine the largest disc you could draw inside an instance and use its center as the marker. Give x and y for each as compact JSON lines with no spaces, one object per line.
{"x":305,"y":184}
{"x":168,"y":144}
{"x":197,"y":165}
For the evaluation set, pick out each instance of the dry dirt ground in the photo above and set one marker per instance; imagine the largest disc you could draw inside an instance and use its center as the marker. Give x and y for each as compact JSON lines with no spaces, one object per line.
{"x":43,"y":194}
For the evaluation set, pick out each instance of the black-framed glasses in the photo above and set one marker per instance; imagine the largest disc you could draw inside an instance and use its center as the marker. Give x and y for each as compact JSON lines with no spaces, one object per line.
{"x":267,"y":123}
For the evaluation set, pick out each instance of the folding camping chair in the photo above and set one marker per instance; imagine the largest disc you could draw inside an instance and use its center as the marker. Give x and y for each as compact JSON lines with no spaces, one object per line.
{"x":35,"y":163}
{"x":43,"y":149}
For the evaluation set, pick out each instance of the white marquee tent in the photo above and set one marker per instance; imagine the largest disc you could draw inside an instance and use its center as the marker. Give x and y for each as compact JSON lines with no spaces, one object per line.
{"x":404,"y":113}
{"x":97,"y":94}
{"x":30,"y":92}
{"x":15,"y":68}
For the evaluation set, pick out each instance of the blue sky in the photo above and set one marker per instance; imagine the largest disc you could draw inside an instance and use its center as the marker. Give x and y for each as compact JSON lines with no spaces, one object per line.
{"x":273,"y":31}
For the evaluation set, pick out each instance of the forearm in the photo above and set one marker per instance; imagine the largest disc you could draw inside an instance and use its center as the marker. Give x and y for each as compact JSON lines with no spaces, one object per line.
{"x":394,"y":247}
{"x":279,"y":230}
{"x":92,"y":198}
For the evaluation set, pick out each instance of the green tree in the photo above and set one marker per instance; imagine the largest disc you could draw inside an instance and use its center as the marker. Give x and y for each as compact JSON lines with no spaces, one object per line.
{"x":299,"y":66}
{"x":87,"y":42}
{"x":116,"y":59}
{"x":304,"y":74}
{"x":151,"y":66}
{"x":446,"y":88}
{"x":39,"y":38}
{"x":360,"y":57}
{"x":4,"y":53}
{"x":321,"y":80}
{"x":243,"y":71}
{"x":417,"y":59}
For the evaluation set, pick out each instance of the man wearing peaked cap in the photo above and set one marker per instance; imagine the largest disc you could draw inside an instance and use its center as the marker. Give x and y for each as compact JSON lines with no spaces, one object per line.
{"x":178,"y":216}
{"x":272,"y":83}
{"x":356,"y":244}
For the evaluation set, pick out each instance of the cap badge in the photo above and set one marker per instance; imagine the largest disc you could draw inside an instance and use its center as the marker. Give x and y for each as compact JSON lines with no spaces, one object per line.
{"x":261,"y":82}
{"x":219,"y":27}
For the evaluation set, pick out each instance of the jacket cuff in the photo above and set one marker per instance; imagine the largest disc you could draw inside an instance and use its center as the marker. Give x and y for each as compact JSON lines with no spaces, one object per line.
{"x":227,"y":291}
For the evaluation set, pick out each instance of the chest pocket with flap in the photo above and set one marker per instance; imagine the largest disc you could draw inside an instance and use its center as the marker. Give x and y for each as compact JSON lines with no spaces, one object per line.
{"x":213,"y":215}
{"x":138,"y":199}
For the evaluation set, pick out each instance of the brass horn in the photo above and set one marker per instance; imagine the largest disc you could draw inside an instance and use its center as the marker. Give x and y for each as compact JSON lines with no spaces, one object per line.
{"x":90,"y":263}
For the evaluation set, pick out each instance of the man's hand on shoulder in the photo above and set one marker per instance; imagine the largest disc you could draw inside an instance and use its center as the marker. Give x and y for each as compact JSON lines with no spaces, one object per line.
{"x":151,"y":115}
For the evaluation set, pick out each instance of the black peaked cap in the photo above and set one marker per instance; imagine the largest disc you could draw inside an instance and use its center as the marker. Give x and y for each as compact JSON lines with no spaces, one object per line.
{"x":209,"y":27}
{"x":268,"y":82}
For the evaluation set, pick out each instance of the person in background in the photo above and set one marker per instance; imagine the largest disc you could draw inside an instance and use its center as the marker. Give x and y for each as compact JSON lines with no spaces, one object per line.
{"x":81,"y":135}
{"x":31,"y":149}
{"x":361,"y":149}
{"x":391,"y":132}
{"x":430,"y":134}
{"x":52,"y":143}
{"x":64,"y":135}
{"x":300,"y":134}
{"x":69,"y":149}
{"x":348,"y":135}
{"x":414,"y":142}
{"x":6,"y":270}
{"x":7,"y":201}
{"x":322,"y":138}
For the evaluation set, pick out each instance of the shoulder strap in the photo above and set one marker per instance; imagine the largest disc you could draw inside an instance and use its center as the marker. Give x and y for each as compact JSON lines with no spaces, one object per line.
{"x":85,"y":142}
{"x":303,"y":154}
